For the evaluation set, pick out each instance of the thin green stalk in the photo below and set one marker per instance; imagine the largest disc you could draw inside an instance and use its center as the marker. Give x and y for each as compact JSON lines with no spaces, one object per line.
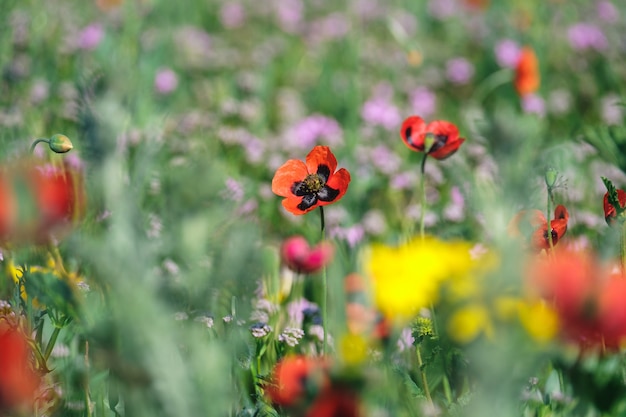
{"x":324,"y":288}
{"x":549,"y":225}
{"x":37,"y":141}
{"x":51,"y":342}
{"x":420,"y":364}
{"x":423,"y":190}
{"x":622,"y":246}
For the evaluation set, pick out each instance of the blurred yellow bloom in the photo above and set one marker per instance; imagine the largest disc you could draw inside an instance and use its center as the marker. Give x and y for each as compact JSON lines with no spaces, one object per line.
{"x":408,"y":277}
{"x":469,"y":322}
{"x":539,"y":320}
{"x":353,"y":348}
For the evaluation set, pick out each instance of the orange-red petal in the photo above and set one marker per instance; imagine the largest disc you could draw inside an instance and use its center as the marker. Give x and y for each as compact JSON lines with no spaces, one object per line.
{"x":527,"y":78}
{"x":321,"y":155}
{"x":291,"y":171}
{"x":451,"y":132}
{"x":338,"y":181}
{"x":412,"y":133}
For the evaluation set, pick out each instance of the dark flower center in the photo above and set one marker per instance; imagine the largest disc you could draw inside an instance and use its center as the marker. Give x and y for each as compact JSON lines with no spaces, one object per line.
{"x":313,"y":183}
{"x":554,"y":234}
{"x":313,"y":188}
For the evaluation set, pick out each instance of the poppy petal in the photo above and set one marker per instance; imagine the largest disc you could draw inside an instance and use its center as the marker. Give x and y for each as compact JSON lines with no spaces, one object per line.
{"x":289,"y":173}
{"x":447,"y":150}
{"x":412,"y":133}
{"x":560,"y":213}
{"x":338,"y":181}
{"x":292,"y":205}
{"x":443,"y":128}
{"x":525,"y":220}
{"x":321,"y":155}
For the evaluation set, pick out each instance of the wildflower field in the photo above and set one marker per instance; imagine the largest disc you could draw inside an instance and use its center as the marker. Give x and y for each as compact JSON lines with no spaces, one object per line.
{"x":312,"y":208}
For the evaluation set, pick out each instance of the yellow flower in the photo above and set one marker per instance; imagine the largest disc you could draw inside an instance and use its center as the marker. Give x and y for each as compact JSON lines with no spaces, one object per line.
{"x":539,"y":320}
{"x":408,"y":277}
{"x":469,"y":322}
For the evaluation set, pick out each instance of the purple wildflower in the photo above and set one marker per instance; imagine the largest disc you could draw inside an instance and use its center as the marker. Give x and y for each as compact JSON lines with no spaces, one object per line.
{"x":289,"y":14}
{"x":165,"y":81}
{"x":406,"y":339}
{"x":385,"y":160}
{"x":612,"y":110}
{"x":232,"y":15}
{"x":234,"y":190}
{"x":507,"y":53}
{"x":314,"y":130}
{"x":454,"y":211}
{"x":459,"y":70}
{"x":532,"y":103}
{"x":424,"y":102}
{"x":379,"y":109}
{"x":90,"y":37}
{"x":607,"y":11}
{"x":442,"y":9}
{"x":583,"y":36}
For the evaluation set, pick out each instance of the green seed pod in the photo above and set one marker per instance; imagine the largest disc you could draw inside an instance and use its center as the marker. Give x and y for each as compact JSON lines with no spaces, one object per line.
{"x":60,"y":143}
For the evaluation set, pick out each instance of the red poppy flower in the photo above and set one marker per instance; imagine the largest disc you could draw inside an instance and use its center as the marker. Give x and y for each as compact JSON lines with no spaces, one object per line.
{"x":527,"y":78}
{"x":610,"y":212}
{"x":439,"y":139}
{"x":18,"y":381}
{"x":306,"y":186}
{"x":536,"y":220}
{"x":38,"y":200}
{"x":294,"y":377}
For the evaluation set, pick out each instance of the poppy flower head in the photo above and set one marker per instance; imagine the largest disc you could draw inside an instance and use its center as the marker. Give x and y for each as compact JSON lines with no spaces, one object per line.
{"x":527,"y":78}
{"x":19,"y":381}
{"x":610,"y":212}
{"x":540,"y":235}
{"x":307,"y":185}
{"x":294,"y":378}
{"x":300,"y":257}
{"x":439,"y":139}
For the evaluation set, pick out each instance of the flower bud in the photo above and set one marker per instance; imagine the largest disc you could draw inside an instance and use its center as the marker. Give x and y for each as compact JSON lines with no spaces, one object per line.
{"x":60,"y":143}
{"x":551,"y":176}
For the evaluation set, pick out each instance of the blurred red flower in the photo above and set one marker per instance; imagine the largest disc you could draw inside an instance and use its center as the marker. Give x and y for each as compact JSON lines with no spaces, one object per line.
{"x":539,"y":225}
{"x":439,"y":139}
{"x":306,"y":186}
{"x":39,"y":199}
{"x":293,"y":377}
{"x":610,"y":212}
{"x":18,"y":380}
{"x":527,"y":77}
{"x":300,"y":257}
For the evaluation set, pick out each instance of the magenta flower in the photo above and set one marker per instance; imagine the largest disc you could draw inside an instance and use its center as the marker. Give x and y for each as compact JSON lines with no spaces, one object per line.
{"x":607,"y":11}
{"x":302,"y":258}
{"x":423,"y":101}
{"x":232,"y":15}
{"x":534,"y":104}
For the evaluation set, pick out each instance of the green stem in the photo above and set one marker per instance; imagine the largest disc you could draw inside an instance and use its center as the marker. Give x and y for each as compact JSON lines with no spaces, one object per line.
{"x":549,"y":224}
{"x":51,"y":342}
{"x":324,"y":289}
{"x":420,"y":364}
{"x":423,"y":191}
{"x":39,"y":140}
{"x":622,"y":246}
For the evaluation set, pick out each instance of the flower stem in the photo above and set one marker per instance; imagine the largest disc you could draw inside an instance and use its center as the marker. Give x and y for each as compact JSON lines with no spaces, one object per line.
{"x":420,"y":364}
{"x":549,"y":223}
{"x":39,"y":140}
{"x":622,"y":246}
{"x":423,"y":191}
{"x":324,"y":288}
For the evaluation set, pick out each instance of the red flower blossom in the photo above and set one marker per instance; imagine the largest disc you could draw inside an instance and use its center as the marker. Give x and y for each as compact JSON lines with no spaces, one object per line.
{"x":292,"y":377}
{"x":610,"y":212}
{"x":300,"y":257}
{"x":538,"y":223}
{"x":439,"y":139}
{"x":18,"y":381}
{"x":527,"y":78}
{"x":306,"y":186}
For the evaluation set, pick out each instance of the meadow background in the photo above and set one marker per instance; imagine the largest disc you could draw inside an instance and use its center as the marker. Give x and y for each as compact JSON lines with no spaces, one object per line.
{"x":181,"y":112}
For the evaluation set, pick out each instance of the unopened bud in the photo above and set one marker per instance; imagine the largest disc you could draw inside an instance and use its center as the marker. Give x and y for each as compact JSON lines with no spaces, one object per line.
{"x":550,"y":177}
{"x":60,"y":143}
{"x":429,"y":141}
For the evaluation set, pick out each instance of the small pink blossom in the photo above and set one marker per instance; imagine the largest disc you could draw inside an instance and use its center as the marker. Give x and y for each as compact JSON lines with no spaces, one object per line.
{"x":300,"y":257}
{"x":90,"y":37}
{"x":165,"y":81}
